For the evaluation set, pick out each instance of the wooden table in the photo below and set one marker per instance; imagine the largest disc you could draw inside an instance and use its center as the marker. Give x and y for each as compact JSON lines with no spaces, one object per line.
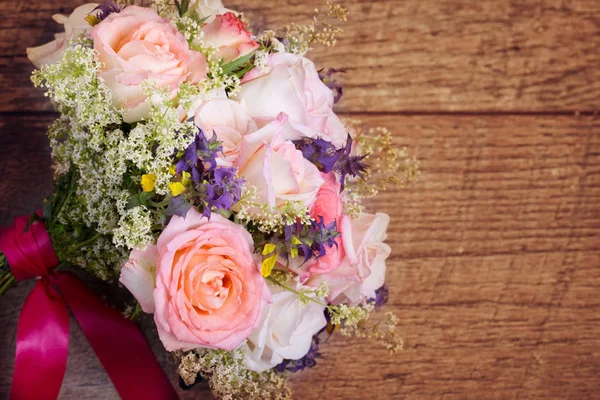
{"x":495,"y":271}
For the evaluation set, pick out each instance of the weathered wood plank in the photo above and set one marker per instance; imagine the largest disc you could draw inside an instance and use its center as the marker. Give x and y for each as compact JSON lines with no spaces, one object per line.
{"x":494,"y":273}
{"x":401,"y":56}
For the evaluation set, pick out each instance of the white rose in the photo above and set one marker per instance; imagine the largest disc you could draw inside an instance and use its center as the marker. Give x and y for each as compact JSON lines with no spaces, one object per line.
{"x":229,"y":122}
{"x":75,"y":25}
{"x":292,"y":87}
{"x":208,"y":8}
{"x":363,"y":269}
{"x":286,"y":330}
{"x":269,"y":161}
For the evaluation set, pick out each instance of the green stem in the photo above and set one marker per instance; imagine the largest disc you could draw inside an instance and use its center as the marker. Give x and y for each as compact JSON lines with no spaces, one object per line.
{"x":301,"y":295}
{"x":83,"y":244}
{"x":9,"y":282}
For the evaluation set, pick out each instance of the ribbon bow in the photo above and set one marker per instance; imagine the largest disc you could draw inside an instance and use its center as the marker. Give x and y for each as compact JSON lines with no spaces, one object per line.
{"x":43,"y":329}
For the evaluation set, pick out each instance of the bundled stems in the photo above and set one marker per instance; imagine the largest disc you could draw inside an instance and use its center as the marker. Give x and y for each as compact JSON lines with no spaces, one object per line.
{"x":6,"y":277}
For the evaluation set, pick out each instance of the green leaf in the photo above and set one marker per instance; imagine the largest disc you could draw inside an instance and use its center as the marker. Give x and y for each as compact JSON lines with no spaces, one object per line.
{"x":236,"y":65}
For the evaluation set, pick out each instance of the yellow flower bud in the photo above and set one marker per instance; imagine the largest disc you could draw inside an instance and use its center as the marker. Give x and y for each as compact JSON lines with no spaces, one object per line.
{"x":148,"y":181}
{"x":176,"y":188}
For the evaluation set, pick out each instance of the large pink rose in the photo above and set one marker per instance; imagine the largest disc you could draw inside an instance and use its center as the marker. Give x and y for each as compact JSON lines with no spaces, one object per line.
{"x":137,"y":45}
{"x":228,"y":120}
{"x":209,"y":291}
{"x":269,"y":161}
{"x":230,"y":36}
{"x":363,"y":268}
{"x":293,"y":87}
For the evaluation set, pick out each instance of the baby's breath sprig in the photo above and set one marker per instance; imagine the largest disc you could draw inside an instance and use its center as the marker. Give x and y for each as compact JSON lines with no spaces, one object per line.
{"x":229,"y":377}
{"x":389,"y":166}
{"x":298,"y":39}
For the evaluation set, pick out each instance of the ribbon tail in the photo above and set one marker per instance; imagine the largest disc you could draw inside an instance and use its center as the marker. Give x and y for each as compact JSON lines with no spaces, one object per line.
{"x":118,"y":343}
{"x":42,"y":345}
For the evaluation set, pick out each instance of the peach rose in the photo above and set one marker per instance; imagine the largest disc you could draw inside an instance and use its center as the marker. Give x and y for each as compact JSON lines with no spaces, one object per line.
{"x":229,"y":35}
{"x":293,"y":87}
{"x":209,"y":291}
{"x":137,"y":45}
{"x":228,"y":120}
{"x":363,"y":268}
{"x":269,"y":161}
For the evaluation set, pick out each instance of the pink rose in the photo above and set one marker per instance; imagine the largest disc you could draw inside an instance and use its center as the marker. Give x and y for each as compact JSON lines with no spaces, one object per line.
{"x":269,"y":161}
{"x":228,"y":120}
{"x":363,"y":269}
{"x":137,"y":45}
{"x":328,"y":205}
{"x":209,"y":291}
{"x":230,"y":36}
{"x":293,"y":87}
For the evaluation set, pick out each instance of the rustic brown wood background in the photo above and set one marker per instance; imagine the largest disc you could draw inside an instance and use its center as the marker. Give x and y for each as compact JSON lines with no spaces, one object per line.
{"x":495,"y":273}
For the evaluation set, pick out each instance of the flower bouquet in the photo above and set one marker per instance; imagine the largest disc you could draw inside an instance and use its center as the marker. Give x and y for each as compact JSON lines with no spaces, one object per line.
{"x":203,"y":167}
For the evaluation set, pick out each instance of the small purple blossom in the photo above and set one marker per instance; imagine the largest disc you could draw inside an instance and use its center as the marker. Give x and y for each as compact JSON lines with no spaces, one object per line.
{"x":200,"y":157}
{"x":329,"y":80}
{"x":348,"y":164}
{"x":104,"y":10}
{"x":381,"y":296}
{"x":319,"y":152}
{"x":223,"y":189}
{"x":213,"y":187}
{"x":314,"y":238}
{"x":327,"y":158}
{"x":308,"y":361}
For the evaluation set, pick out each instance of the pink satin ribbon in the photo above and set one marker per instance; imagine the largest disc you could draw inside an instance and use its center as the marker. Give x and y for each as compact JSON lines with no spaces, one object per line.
{"x":43,"y":329}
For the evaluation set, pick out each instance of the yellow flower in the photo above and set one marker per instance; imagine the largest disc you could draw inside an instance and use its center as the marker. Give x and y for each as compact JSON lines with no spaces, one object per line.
{"x":176,"y":188}
{"x":186,"y":178}
{"x":268,"y":249}
{"x":148,"y":181}
{"x":267,"y":265}
{"x":172,"y":170}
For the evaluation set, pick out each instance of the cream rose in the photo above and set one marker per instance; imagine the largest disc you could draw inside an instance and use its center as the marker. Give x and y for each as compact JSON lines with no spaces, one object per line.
{"x":208,"y":292}
{"x":208,"y":9}
{"x":269,"y":161}
{"x":293,"y":87}
{"x":228,"y":120}
{"x":363,"y":269}
{"x":229,"y":35}
{"x":138,"y":275}
{"x":285,"y":331}
{"x":75,"y":24}
{"x":137,"y":45}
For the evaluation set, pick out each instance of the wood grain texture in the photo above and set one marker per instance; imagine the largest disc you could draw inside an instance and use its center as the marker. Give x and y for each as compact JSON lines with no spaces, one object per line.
{"x":494,"y":272}
{"x":401,"y":56}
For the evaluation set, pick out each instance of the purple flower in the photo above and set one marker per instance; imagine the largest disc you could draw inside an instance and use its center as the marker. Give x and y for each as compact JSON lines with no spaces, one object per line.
{"x":381,"y":296}
{"x":327,"y":158}
{"x":200,"y":156}
{"x":104,"y":10}
{"x":308,"y":361}
{"x":331,"y":83}
{"x":319,"y":152}
{"x":214,"y":187}
{"x":348,"y":164}
{"x":314,"y":238}
{"x":223,"y":189}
